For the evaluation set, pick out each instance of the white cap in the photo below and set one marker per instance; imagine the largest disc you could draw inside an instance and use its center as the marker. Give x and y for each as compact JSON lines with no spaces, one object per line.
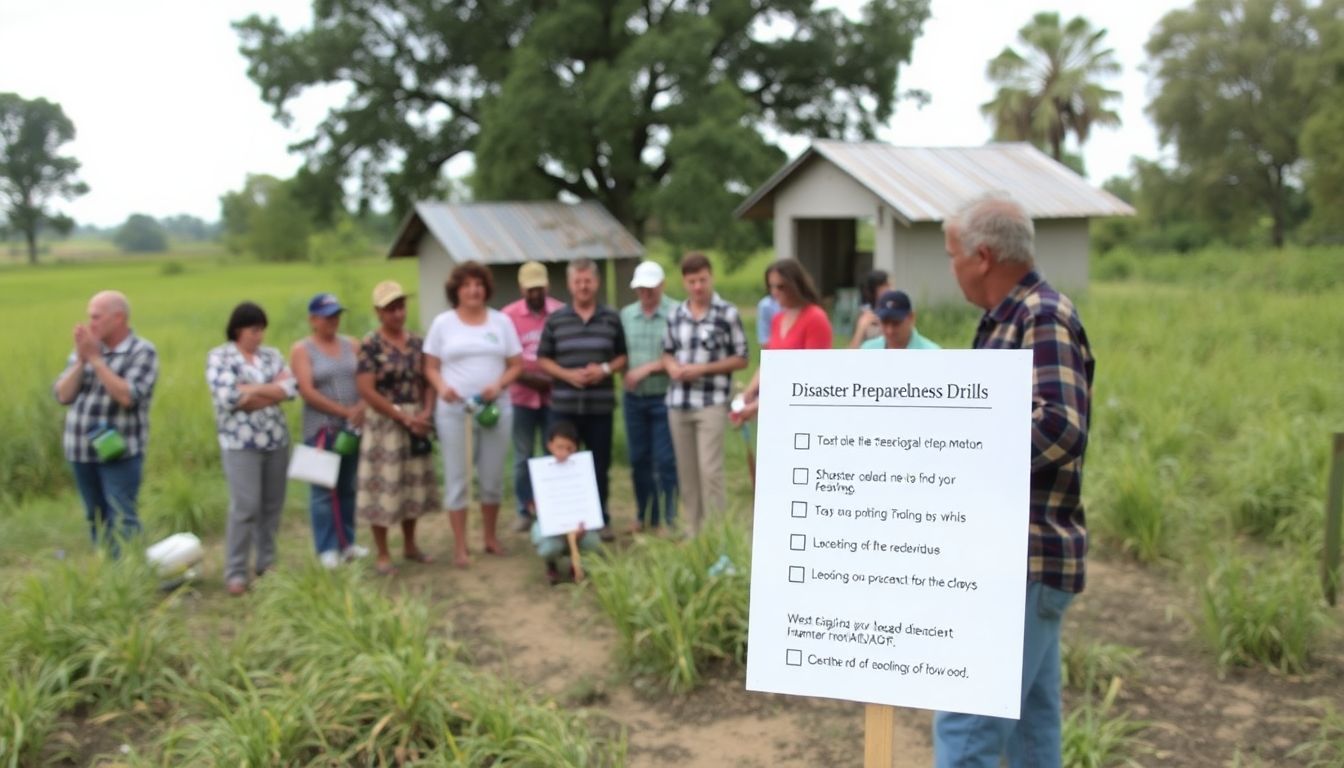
{"x":647,"y":275}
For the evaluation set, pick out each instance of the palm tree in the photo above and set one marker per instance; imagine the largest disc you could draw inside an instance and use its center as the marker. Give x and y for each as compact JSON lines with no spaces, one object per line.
{"x":1051,"y":90}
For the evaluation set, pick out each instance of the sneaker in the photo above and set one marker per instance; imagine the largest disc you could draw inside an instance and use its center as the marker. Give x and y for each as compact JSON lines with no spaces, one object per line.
{"x":329,"y":559}
{"x":354,"y":552}
{"x":523,"y":525}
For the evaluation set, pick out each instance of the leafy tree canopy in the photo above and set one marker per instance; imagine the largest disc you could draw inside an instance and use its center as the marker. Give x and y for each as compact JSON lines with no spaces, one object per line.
{"x":33,"y":173}
{"x":141,"y":234}
{"x":1236,"y":83}
{"x":664,"y":111}
{"x":266,"y":220}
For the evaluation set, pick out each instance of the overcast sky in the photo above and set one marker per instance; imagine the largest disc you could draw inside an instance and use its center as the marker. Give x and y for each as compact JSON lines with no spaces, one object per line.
{"x":167,"y":119}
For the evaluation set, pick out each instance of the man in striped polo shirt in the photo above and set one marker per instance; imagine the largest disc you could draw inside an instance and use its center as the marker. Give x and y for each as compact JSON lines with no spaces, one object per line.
{"x":581,"y":346}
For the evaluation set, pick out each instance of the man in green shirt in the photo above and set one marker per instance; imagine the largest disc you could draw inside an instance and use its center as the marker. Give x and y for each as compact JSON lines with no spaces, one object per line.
{"x":893,"y":308}
{"x":653,"y":463}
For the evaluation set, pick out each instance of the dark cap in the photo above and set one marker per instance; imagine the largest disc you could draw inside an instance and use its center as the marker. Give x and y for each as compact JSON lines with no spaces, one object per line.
{"x":893,"y":306}
{"x":325,"y":305}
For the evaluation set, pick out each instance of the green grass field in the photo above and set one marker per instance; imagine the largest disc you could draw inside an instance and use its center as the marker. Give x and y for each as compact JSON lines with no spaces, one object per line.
{"x":1218,"y":387}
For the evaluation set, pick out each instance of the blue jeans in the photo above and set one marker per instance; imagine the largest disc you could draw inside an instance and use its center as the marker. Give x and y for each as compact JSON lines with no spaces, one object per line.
{"x":977,"y":741}
{"x":653,"y":463}
{"x":595,"y":435}
{"x":109,"y":490}
{"x":529,"y":426}
{"x":333,"y":532}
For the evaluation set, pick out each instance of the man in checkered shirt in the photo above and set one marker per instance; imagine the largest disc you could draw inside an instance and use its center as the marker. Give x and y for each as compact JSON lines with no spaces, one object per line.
{"x":991,"y":243}
{"x":704,"y":344}
{"x":108,"y":382}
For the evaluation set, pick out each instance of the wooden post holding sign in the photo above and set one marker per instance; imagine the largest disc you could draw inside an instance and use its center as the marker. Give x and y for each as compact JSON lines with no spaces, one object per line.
{"x":879,"y":724}
{"x":1334,"y":508}
{"x":890,"y":533}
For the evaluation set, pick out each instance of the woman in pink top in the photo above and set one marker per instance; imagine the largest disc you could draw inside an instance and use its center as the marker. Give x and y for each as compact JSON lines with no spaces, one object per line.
{"x":801,"y":323}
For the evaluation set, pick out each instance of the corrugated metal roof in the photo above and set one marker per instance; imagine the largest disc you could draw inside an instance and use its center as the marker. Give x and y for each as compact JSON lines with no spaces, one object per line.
{"x":511,"y":233}
{"x":932,"y":183}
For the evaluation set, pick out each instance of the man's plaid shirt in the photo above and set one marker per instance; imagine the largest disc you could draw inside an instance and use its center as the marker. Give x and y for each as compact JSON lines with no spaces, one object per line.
{"x":1037,"y":317}
{"x":134,"y":360}
{"x":712,"y":338}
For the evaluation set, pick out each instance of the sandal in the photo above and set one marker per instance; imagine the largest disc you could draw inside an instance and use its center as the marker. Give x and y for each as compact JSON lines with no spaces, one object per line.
{"x":418,"y":557}
{"x":552,"y":573}
{"x":496,"y":549}
{"x":385,"y":569}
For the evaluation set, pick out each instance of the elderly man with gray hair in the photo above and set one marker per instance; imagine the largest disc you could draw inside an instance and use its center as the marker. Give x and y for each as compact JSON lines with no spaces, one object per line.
{"x":991,"y":244}
{"x":107,"y":383}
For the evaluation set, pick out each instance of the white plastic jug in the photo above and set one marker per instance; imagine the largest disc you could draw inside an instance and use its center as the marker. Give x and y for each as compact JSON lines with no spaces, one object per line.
{"x":175,"y":554}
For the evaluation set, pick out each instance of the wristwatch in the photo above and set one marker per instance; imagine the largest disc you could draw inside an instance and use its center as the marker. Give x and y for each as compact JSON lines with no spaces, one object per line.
{"x":606,"y":368}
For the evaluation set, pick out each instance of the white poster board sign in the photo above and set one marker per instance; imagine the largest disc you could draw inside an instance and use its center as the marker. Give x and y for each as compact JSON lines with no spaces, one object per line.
{"x":889,"y":552}
{"x":566,"y":493}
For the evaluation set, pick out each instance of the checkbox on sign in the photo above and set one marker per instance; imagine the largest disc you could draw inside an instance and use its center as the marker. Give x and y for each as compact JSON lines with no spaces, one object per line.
{"x":796,"y":574}
{"x":799,"y":509}
{"x":802,"y":441}
{"x":793,"y":657}
{"x":800,"y":475}
{"x":797,"y":542}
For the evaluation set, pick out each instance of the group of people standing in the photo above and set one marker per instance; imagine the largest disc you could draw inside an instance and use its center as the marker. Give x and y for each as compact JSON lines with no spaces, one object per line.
{"x":539,"y":363}
{"x":365,"y":400}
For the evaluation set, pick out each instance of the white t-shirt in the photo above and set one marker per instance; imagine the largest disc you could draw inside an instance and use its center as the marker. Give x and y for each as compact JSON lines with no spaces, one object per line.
{"x":472,"y":357}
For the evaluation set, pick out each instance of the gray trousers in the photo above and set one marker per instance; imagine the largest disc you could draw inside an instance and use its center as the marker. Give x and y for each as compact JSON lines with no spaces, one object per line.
{"x":256,"y":498}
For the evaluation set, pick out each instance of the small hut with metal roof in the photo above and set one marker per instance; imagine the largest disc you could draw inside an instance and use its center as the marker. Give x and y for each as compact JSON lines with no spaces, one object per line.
{"x":905,"y":193}
{"x":503,"y":235}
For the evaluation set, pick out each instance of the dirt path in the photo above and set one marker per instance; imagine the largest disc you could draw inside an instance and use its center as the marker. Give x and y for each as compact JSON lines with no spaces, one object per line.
{"x":553,"y":641}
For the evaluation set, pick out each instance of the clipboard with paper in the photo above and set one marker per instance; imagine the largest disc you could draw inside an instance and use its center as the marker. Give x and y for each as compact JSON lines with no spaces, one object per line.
{"x":565,"y":493}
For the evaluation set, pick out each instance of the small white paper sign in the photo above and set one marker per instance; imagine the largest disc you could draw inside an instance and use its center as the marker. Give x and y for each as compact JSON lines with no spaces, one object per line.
{"x":566,"y":493}
{"x":889,"y":552}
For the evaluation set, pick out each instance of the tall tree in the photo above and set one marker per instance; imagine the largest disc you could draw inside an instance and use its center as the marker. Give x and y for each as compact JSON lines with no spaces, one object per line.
{"x":141,"y":234}
{"x":266,"y":220}
{"x":1321,"y":136}
{"x":32,"y":173}
{"x":1236,"y":82}
{"x":1051,"y":90}
{"x":626,"y":102}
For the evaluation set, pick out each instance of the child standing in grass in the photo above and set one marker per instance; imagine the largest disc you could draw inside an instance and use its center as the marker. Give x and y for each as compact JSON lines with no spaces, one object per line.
{"x":562,"y":441}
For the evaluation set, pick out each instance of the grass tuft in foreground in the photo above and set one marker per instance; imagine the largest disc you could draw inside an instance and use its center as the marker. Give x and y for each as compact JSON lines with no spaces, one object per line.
{"x":1326,"y":749}
{"x":329,"y":671}
{"x":1096,"y":736}
{"x":1268,"y":612}
{"x":677,"y":608}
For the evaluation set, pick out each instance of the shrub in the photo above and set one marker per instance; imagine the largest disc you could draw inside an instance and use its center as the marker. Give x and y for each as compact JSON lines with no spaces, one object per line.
{"x":1262,"y":613}
{"x":675,"y":612}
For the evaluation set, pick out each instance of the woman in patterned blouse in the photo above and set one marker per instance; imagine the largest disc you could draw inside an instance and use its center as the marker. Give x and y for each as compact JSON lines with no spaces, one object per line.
{"x":247,"y":384}
{"x":396,"y":470}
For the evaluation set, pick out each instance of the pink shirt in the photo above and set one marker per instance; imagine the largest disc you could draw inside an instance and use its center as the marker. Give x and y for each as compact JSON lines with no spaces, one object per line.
{"x":529,"y":325}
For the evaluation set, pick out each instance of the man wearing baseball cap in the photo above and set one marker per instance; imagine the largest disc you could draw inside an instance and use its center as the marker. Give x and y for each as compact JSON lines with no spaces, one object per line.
{"x":531,"y":393}
{"x":653,"y":462}
{"x":897,"y":316}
